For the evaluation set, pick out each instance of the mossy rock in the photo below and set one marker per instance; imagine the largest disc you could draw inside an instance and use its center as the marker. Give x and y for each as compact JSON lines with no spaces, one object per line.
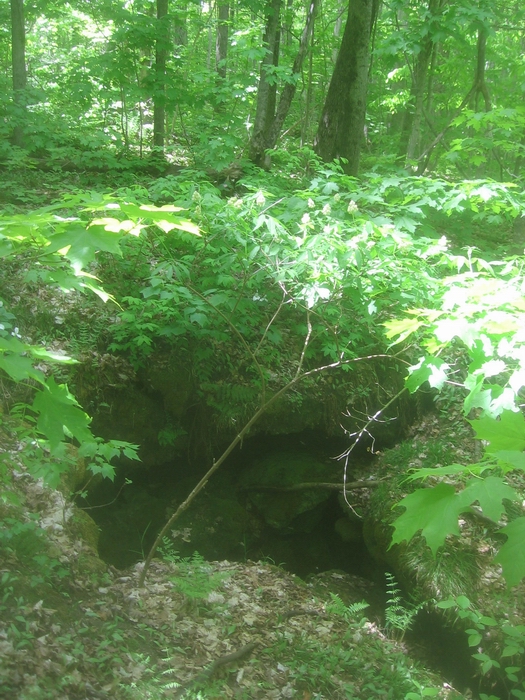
{"x":173,"y":382}
{"x":88,"y":563}
{"x":85,"y":528}
{"x":282,"y":510}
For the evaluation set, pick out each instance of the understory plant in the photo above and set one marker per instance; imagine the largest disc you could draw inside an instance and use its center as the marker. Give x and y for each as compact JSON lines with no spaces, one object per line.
{"x":499,"y":645}
{"x":473,"y":339}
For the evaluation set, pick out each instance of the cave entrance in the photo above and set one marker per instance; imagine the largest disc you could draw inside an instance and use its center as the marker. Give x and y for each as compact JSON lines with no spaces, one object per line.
{"x":238,"y":516}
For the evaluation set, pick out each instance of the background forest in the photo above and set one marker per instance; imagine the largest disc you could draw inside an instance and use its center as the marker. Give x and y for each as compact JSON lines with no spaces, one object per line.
{"x":281,"y":217}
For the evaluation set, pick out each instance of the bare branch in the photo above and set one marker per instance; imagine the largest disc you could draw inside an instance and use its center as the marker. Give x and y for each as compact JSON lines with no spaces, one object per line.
{"x":238,"y":438}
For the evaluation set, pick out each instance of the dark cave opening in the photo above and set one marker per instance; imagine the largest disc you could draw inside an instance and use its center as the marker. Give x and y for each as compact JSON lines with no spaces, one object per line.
{"x":140,"y":501}
{"x":226,"y":522}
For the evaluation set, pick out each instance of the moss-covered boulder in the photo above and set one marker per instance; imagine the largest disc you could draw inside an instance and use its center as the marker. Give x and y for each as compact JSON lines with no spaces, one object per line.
{"x":285,"y":509}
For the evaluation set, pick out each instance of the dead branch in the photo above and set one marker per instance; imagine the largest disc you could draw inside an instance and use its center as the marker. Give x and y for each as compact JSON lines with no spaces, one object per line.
{"x":317,"y":485}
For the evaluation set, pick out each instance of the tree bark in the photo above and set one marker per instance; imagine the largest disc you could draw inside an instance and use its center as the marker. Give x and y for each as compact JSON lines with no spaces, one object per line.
{"x":221,"y":45}
{"x":271,"y":36}
{"x":480,"y":85}
{"x":274,"y":120}
{"x":18,"y":37}
{"x":289,"y":89}
{"x":409,"y":144}
{"x":340,"y":131}
{"x":180,"y":29}
{"x":159,"y":95}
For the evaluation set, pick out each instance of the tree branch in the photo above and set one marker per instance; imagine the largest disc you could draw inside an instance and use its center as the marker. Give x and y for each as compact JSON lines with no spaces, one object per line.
{"x":202,"y":483}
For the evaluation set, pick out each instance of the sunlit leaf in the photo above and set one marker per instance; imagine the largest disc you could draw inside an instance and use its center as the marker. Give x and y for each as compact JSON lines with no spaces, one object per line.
{"x":431,"y":369}
{"x":58,"y":410}
{"x":81,"y":245}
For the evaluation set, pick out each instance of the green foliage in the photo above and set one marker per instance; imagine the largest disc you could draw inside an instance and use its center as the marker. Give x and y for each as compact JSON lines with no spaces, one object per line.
{"x":435,"y":511}
{"x":100,"y":454}
{"x":348,"y":612}
{"x":27,"y":541}
{"x":399,"y":616}
{"x":193,"y":576}
{"x":505,"y":641}
{"x":63,"y":250}
{"x":471,"y":337}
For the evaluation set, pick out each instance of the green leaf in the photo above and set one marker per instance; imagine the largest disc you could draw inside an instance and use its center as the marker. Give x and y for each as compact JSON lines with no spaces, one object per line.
{"x":463,"y":602}
{"x":489,"y":493}
{"x":511,"y":556}
{"x":402,"y":328}
{"x":80,"y":245}
{"x":512,"y":457}
{"x":58,"y":410}
{"x":478,"y":396}
{"x":434,"y":511}
{"x":449,"y":470}
{"x":510,"y":651}
{"x":507,"y":433}
{"x":163,"y":216}
{"x":20,"y":368}
{"x":104,"y":468}
{"x":431,"y":369}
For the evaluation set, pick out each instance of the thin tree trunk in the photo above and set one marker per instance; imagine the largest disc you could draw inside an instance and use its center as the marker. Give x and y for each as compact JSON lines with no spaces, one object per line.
{"x":305,"y":127}
{"x":221,"y":46}
{"x":18,"y":36}
{"x":409,"y":144}
{"x":337,"y":28}
{"x":480,"y":85}
{"x":288,"y":23}
{"x":289,"y":89}
{"x":272,"y":92}
{"x":258,"y":140}
{"x":340,"y":131}
{"x":159,"y":95}
{"x":180,"y":29}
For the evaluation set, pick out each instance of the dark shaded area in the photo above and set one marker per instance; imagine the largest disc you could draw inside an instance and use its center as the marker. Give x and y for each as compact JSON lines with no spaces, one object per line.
{"x":443,"y":648}
{"x":223,"y":523}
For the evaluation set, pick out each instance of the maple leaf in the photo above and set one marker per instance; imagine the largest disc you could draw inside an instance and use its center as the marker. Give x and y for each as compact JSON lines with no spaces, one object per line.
{"x":511,"y":556}
{"x":431,"y":369}
{"x":489,"y":493}
{"x":512,"y":458}
{"x":57,"y":410}
{"x":434,"y":511}
{"x":80,"y":245}
{"x":507,"y":433}
{"x":20,"y":368}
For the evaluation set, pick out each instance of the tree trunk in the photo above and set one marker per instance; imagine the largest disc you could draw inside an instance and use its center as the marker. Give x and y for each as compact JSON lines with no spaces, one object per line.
{"x":289,"y":89}
{"x":305,"y":126}
{"x":480,"y":85}
{"x":340,"y":131}
{"x":18,"y":36}
{"x":288,"y":23}
{"x":221,"y":46}
{"x":271,"y":37}
{"x":180,"y":29}
{"x":159,"y":95}
{"x":409,"y":144}
{"x":272,"y":91}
